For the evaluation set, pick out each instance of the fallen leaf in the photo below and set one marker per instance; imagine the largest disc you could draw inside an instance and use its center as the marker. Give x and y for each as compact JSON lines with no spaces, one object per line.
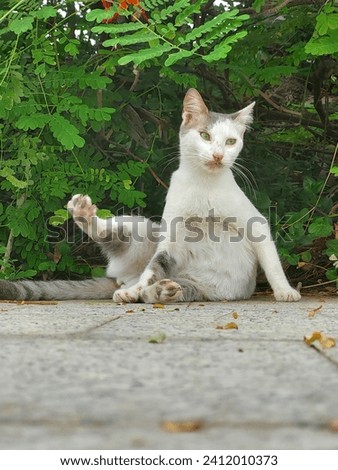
{"x":312,"y":313}
{"x":201,"y":305}
{"x":333,"y":425}
{"x":130,"y":311}
{"x":182,"y":426}
{"x":158,"y":306}
{"x":157,"y":338}
{"x":228,"y":326}
{"x":326,"y":342}
{"x":301,"y":264}
{"x":235,"y":315}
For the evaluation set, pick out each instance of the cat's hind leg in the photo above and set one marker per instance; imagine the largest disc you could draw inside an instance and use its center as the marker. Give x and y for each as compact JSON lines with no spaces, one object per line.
{"x":160,"y":268}
{"x":177,"y":290}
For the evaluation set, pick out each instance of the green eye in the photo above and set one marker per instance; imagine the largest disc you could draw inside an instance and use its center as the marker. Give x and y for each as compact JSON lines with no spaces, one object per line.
{"x":230,"y":141}
{"x":205,"y":136}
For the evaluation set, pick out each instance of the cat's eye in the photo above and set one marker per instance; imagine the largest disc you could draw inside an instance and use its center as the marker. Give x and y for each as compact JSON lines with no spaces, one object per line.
{"x":205,"y":136}
{"x":230,"y":141}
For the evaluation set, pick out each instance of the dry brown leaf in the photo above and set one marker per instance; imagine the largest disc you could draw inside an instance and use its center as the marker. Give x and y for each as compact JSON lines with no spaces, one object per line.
{"x":235,"y":315}
{"x":333,"y":425}
{"x":228,"y":326}
{"x":158,"y":306}
{"x":301,"y":264}
{"x":130,"y":311}
{"x":312,"y":313}
{"x":326,"y":342}
{"x":182,"y":426}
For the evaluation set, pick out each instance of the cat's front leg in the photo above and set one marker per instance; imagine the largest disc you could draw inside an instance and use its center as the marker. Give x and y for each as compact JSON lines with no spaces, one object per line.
{"x":268,"y":258}
{"x":83,"y":212}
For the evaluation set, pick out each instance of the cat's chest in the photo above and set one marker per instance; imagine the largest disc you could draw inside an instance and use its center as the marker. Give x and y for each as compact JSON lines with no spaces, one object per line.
{"x":193,"y":198}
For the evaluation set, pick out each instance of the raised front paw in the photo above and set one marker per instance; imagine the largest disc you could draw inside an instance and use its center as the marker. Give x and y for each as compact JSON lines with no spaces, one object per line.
{"x":81,"y":207}
{"x":131,"y":295}
{"x":287,"y":295}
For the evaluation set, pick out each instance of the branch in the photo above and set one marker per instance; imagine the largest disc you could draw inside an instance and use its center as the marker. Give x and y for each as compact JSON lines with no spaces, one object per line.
{"x":135,"y":157}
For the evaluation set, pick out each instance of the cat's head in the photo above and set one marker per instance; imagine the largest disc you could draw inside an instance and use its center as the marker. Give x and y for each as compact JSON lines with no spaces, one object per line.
{"x":211,"y":141}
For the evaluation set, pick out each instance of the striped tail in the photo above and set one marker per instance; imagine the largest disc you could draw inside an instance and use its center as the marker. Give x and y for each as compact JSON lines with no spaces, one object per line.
{"x":100,"y":288}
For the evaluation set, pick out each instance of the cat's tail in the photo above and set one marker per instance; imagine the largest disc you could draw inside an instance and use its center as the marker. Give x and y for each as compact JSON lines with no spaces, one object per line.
{"x":99,"y":288}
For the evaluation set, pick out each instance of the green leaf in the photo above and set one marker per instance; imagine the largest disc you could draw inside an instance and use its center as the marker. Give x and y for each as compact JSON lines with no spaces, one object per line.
{"x":99,"y":15}
{"x":323,"y":45}
{"x":60,"y":216}
{"x":334,"y":170}
{"x":104,"y":213}
{"x":257,"y":5}
{"x":127,"y":183}
{"x":65,"y":132}
{"x":98,"y":272}
{"x":332,"y":247}
{"x":33,"y":121}
{"x":117,"y":28}
{"x":25,"y":274}
{"x":176,"y":56}
{"x":157,"y":338}
{"x":17,"y":183}
{"x":137,"y":38}
{"x":72,"y":49}
{"x":21,"y":25}
{"x":306,"y":256}
{"x":321,"y":227}
{"x":145,"y":54}
{"x":44,"y":13}
{"x":93,"y":80}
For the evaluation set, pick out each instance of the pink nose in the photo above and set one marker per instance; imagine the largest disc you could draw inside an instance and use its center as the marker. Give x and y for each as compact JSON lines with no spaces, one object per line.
{"x":218,"y":157}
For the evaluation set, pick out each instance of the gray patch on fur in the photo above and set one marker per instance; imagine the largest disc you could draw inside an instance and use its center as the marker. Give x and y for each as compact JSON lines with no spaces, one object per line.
{"x":162,"y":265}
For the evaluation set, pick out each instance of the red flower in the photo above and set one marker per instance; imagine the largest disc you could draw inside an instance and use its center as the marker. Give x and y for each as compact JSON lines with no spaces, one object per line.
{"x":123,"y":4}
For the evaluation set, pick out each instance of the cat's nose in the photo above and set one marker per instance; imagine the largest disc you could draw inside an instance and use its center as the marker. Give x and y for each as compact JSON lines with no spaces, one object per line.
{"x":218,"y":157}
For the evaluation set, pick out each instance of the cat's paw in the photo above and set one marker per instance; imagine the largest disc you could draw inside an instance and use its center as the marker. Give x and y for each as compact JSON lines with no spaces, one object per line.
{"x":164,"y":291}
{"x":287,"y":295}
{"x":131,"y":295}
{"x":81,"y":207}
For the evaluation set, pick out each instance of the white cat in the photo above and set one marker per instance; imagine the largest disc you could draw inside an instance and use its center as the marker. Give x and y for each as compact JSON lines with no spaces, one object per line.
{"x":211,"y":238}
{"x":204,"y":193}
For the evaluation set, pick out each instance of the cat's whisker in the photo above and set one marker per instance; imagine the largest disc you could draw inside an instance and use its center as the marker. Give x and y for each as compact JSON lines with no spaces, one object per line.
{"x":246,"y":181}
{"x":248,"y":172}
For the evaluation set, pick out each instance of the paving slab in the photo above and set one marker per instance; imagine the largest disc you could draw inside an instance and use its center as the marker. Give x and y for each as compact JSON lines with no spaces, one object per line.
{"x":83,"y":375}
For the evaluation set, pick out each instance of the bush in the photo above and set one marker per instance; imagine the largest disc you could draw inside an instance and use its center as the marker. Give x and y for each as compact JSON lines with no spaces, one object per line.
{"x":93,"y":106}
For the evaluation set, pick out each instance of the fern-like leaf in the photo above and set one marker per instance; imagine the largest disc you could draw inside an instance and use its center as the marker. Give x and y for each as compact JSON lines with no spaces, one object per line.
{"x":176,"y":56}
{"x":207,"y":27}
{"x":222,"y":49}
{"x":128,"y":40}
{"x":146,"y":54}
{"x":191,"y":9}
{"x":118,"y":28}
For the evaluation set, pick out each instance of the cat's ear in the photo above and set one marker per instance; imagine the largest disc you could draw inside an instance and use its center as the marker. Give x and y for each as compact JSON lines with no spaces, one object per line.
{"x":194,"y":108}
{"x":244,"y":116}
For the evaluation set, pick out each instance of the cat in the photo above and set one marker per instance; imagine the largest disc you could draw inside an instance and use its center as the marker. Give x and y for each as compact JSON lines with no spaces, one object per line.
{"x":209,"y":243}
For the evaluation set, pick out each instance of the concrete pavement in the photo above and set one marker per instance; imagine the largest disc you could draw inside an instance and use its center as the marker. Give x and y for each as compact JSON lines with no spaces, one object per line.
{"x":83,"y":375}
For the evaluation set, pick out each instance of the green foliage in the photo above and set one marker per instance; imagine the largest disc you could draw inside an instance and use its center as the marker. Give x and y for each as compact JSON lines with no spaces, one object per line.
{"x":167,"y":34}
{"x":93,"y":107}
{"x":325,"y":37}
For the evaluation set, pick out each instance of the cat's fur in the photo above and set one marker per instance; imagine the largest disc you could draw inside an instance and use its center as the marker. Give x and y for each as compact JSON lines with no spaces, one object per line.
{"x":213,"y":238}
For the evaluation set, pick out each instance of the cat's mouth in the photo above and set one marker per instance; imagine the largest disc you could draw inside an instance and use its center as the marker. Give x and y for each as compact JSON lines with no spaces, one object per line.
{"x":214,"y":165}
